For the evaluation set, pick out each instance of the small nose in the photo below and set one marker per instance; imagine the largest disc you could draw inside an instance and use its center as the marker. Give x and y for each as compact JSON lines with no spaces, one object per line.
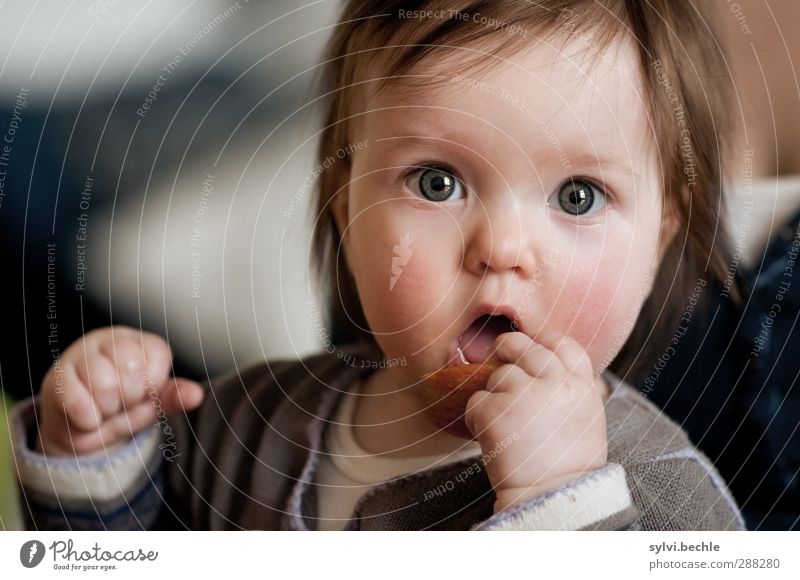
{"x":501,"y":239}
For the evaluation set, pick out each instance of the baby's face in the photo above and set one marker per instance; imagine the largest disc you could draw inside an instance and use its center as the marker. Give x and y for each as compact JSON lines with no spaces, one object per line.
{"x":532,"y":187}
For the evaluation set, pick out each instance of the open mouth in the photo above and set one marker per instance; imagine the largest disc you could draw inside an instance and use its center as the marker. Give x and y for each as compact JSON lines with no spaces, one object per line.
{"x":476,"y":344}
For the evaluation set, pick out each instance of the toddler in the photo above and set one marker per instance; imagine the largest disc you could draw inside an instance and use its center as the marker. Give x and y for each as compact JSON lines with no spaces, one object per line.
{"x":535,"y":184}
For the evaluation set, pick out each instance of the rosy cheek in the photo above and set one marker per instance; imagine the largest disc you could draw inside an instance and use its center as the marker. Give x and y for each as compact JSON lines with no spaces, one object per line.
{"x":410,"y":293}
{"x":594,"y":307}
{"x":403,"y":283}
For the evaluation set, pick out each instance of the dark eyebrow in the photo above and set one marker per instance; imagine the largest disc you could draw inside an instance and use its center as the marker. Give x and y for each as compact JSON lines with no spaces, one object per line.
{"x":580,"y":159}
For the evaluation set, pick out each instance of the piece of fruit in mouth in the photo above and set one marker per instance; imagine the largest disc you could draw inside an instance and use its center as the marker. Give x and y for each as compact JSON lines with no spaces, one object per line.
{"x":446,"y":392}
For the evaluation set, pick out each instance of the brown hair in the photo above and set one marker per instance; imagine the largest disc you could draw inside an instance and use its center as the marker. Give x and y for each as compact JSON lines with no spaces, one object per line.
{"x":686,"y":94}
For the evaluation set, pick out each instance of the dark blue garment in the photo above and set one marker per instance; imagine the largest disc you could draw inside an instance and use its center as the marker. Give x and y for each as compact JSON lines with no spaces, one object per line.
{"x":731,"y":382}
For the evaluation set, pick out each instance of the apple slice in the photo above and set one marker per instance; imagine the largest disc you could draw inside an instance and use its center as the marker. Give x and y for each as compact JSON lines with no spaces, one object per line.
{"x":447,"y":391}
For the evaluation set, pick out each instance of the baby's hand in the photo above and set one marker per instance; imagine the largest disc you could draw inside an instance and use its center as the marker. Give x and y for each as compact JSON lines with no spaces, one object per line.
{"x":108,"y":386}
{"x":541,"y":421}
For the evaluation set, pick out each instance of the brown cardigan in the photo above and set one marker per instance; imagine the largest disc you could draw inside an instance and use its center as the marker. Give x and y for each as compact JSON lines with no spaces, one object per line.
{"x":247,"y":459}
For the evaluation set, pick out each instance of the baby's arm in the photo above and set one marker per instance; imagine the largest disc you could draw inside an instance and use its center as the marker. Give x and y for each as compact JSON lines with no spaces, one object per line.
{"x":77,"y":459}
{"x":542,"y":427}
{"x":681,"y":491}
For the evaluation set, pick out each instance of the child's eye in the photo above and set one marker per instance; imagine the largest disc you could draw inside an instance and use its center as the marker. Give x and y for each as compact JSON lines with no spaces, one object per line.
{"x":578,"y":197}
{"x":435,"y":184}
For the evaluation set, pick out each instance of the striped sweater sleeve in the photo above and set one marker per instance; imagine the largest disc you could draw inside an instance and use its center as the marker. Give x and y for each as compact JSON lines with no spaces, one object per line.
{"x":119,"y":488}
{"x":679,"y":490}
{"x":597,"y":501}
{"x":160,"y":479}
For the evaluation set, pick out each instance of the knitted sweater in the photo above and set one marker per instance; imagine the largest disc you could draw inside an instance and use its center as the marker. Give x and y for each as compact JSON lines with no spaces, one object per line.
{"x":247,"y":459}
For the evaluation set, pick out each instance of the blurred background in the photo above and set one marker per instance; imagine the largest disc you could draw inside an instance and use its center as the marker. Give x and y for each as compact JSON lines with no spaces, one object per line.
{"x":155,"y":147}
{"x":153,"y":157}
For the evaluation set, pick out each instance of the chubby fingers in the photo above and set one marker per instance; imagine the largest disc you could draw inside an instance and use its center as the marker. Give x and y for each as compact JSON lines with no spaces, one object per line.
{"x":176,"y":395}
{"x":125,"y":357}
{"x":79,"y":407}
{"x":515,"y":348}
{"x":117,"y":367}
{"x":560,"y":354}
{"x":146,"y":362}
